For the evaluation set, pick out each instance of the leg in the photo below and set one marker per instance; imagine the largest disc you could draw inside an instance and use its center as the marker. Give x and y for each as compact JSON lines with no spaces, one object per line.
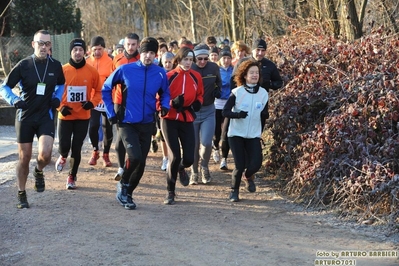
{"x":94,"y":126}
{"x":108,"y":136}
{"x":80,"y":128}
{"x":25,"y":154}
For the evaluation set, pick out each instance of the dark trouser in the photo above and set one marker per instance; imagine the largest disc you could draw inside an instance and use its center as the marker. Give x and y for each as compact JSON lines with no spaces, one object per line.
{"x":247,"y":153}
{"x":106,"y":127}
{"x":225,"y":140}
{"x":218,"y":128}
{"x":137,"y":141}
{"x":120,"y":149}
{"x":77,"y":130}
{"x":176,"y":134}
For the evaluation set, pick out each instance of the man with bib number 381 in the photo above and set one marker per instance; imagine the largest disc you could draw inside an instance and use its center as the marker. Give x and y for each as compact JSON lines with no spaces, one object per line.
{"x":41,"y":85}
{"x":82,"y":93}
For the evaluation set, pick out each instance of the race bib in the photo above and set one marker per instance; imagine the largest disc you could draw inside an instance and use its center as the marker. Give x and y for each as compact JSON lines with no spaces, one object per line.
{"x":76,"y":94}
{"x":100,"y":107}
{"x":40,"y":88}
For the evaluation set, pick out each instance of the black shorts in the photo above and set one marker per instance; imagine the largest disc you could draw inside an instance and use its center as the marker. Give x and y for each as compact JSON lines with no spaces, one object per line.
{"x":26,"y":130}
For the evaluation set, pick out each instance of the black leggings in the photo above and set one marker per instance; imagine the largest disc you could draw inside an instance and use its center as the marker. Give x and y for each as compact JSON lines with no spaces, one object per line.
{"x":120,"y":149}
{"x":177,"y":133}
{"x":77,"y":130}
{"x":137,"y":141}
{"x":106,"y":127}
{"x":247,"y":153}
{"x":225,"y":140}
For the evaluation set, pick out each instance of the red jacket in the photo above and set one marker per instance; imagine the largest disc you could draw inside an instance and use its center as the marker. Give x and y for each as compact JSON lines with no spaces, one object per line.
{"x":188,"y":83}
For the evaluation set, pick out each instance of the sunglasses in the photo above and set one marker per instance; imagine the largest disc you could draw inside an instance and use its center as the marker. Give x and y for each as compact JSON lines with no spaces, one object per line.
{"x":42,"y":43}
{"x":202,"y":58}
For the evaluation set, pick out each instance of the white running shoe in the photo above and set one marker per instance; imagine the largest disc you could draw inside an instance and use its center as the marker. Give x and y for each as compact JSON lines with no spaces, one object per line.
{"x":60,"y":163}
{"x":216,"y":156}
{"x":164,"y":165}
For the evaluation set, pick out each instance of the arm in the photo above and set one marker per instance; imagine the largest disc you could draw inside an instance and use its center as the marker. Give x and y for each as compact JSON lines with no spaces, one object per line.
{"x":165,"y":92}
{"x":106,"y":92}
{"x":8,"y":95}
{"x":227,"y":109}
{"x":96,"y":96}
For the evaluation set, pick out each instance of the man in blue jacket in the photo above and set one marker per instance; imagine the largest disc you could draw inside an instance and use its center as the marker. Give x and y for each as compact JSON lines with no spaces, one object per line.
{"x":141,"y":82}
{"x":41,"y":81}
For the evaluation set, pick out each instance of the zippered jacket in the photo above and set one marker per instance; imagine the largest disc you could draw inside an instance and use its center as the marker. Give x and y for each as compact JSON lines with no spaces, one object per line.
{"x":143,"y":83}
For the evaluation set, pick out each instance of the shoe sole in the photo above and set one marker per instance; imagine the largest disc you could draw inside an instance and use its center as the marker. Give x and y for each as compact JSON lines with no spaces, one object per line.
{"x":117,"y":177}
{"x":71,"y":187}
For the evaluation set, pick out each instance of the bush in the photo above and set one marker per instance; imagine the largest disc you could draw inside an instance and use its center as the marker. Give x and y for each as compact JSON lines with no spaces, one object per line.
{"x":335,"y":123}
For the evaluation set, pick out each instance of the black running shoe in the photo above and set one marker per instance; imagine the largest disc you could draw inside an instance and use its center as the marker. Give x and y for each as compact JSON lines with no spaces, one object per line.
{"x":39,"y":180}
{"x":22,"y":200}
{"x":129,"y":205}
{"x":183,"y":177}
{"x":234,"y":195}
{"x":250,"y":184}
{"x":154,"y":146}
{"x":170,"y":198}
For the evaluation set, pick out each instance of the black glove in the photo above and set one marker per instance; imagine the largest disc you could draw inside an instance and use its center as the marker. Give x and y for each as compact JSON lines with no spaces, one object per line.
{"x":20,"y":105}
{"x":113,"y":120}
{"x":196,"y":105}
{"x":242,"y":114}
{"x":178,"y":102}
{"x":65,"y":110}
{"x":55,"y":103}
{"x":217,"y":93}
{"x":87,"y":105}
{"x":164,"y":111}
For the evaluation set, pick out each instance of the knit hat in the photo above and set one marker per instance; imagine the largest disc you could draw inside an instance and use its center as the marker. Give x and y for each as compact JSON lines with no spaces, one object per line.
{"x":98,"y":40}
{"x":201,"y":49}
{"x":149,"y":44}
{"x":119,"y":46}
{"x":167,"y":55}
{"x":225,"y":52}
{"x":214,"y":50}
{"x":259,"y":43}
{"x":77,"y":42}
{"x":211,"y":40}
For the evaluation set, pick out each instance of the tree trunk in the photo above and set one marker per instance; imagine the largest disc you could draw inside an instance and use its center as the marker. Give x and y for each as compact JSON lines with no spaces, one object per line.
{"x":350,"y":19}
{"x":390,"y":16}
{"x":233,"y":20}
{"x":332,"y":17}
{"x":193,"y":30}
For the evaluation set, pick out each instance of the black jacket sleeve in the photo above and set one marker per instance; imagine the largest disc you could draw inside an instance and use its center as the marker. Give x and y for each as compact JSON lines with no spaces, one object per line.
{"x":226,"y":112}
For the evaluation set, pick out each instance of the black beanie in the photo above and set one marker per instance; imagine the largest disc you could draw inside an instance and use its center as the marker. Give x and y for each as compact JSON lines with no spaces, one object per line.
{"x":225,"y":52}
{"x":77,"y":42}
{"x":149,"y":44}
{"x":98,"y":40}
{"x":259,"y":43}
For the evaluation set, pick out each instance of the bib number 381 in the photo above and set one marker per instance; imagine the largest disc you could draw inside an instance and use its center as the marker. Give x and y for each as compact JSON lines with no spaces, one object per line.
{"x":76,"y":94}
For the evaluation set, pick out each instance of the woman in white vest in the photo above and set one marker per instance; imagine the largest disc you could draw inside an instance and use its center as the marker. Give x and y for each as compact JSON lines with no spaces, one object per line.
{"x":244,"y":107}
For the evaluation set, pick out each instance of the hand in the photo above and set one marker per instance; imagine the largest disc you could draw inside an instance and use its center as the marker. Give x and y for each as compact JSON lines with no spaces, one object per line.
{"x":217,"y":93}
{"x":55,"y":103}
{"x":65,"y":110}
{"x":242,"y":114}
{"x":196,"y":105}
{"x":113,"y":120}
{"x":178,"y":101}
{"x":87,"y":105}
{"x":21,"y":105}
{"x":164,"y":111}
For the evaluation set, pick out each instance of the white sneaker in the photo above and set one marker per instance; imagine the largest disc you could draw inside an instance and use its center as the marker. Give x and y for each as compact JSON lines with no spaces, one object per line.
{"x":164,"y":165}
{"x":223,"y":164}
{"x":119,"y":174}
{"x":194,"y":179}
{"x":60,"y":163}
{"x":216,"y":156}
{"x":206,"y":176}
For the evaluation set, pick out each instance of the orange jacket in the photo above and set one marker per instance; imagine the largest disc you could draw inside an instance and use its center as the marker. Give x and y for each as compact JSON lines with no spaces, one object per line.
{"x":119,"y":60}
{"x":81,"y":85}
{"x":103,"y":66}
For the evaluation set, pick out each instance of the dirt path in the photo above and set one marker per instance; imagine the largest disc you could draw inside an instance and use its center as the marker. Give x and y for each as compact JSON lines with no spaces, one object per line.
{"x":88,"y":227}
